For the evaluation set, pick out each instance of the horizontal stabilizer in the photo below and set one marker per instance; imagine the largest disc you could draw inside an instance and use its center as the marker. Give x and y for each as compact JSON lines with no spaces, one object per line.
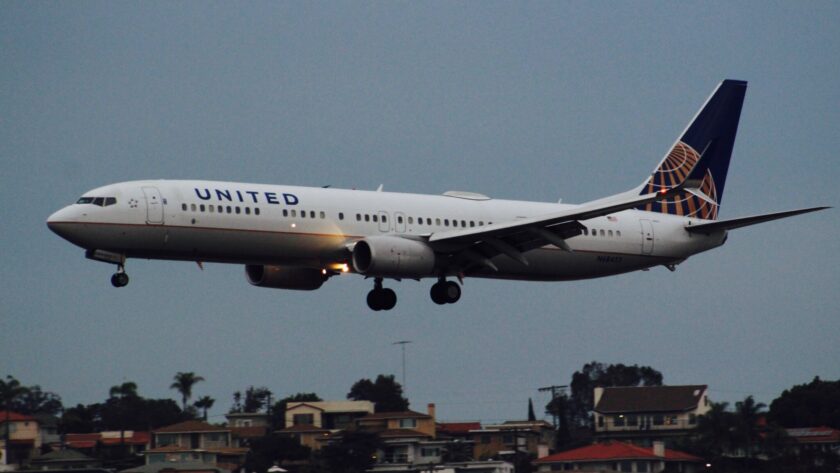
{"x":747,"y":221}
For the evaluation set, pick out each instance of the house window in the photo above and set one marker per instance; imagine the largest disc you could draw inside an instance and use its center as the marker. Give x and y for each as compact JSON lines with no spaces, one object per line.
{"x":408,"y":423}
{"x":166,"y":439}
{"x":658,"y":419}
{"x":600,"y":421}
{"x":625,"y":466}
{"x":633,"y":420}
{"x":507,"y":439}
{"x":642,"y":467}
{"x":303,"y":419}
{"x":618,"y":421}
{"x":692,"y":419}
{"x":429,"y":452}
{"x":485,"y":439}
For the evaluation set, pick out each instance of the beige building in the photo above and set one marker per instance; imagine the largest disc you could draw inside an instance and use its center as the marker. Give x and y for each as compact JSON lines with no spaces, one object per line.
{"x":646,"y":414}
{"x":24,"y":439}
{"x":195,"y":441}
{"x":330,"y":415}
{"x":502,"y":440}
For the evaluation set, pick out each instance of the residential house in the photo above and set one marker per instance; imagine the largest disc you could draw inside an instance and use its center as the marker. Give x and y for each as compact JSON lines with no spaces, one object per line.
{"x":109,"y":444}
{"x":535,"y":438}
{"x":195,"y":441}
{"x":330,"y":415}
{"x":815,"y":439}
{"x":647,"y":414}
{"x":66,"y":459}
{"x":459,"y":439}
{"x":624,"y":457}
{"x":20,"y":439}
{"x":246,"y":426}
{"x":408,"y":436}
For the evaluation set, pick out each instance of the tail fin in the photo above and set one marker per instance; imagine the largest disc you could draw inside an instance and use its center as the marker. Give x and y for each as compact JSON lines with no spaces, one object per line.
{"x":701,"y":153}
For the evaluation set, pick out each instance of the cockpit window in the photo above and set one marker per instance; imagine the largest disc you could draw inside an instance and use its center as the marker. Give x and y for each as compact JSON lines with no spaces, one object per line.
{"x":100,"y":201}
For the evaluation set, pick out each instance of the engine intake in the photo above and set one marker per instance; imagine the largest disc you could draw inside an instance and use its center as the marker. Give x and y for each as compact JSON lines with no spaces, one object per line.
{"x":393,"y":257}
{"x":282,"y":277}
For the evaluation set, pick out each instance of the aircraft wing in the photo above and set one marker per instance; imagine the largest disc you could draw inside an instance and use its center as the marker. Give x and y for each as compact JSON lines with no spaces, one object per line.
{"x":475,"y":247}
{"x":746,"y":221}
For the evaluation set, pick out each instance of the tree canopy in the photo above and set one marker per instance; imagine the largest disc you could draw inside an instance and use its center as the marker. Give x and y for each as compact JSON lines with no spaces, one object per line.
{"x":385,"y":393}
{"x":184,"y":382}
{"x":813,"y":404}
{"x":31,"y":400}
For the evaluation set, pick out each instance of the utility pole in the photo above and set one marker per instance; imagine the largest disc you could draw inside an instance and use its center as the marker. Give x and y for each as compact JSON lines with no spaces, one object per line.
{"x":402,"y":344}
{"x":556,"y":391}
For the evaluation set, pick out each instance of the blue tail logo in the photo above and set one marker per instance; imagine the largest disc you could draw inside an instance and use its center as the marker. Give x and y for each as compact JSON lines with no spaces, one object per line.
{"x":701,"y":154}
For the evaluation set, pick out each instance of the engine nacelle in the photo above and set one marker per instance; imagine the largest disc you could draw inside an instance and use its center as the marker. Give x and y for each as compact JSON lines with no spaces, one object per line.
{"x":282,"y":277}
{"x":393,"y":257}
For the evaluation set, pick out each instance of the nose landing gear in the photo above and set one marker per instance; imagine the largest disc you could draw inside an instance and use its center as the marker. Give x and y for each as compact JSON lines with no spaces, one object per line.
{"x":445,"y":292}
{"x":381,"y":298}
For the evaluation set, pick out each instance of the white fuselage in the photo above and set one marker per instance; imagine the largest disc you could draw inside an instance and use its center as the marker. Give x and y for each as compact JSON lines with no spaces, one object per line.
{"x":261,"y":224}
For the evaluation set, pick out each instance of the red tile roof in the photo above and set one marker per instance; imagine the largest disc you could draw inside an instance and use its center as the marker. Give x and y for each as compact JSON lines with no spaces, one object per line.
{"x":611,"y":451}
{"x":303,"y":428}
{"x":15,"y":417}
{"x":457,"y":427}
{"x":191,"y":426}
{"x":249,"y":432}
{"x":132,"y":438}
{"x":650,"y":399}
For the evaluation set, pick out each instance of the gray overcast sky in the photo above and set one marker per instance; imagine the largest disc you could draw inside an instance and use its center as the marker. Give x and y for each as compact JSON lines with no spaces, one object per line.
{"x":520,"y":100}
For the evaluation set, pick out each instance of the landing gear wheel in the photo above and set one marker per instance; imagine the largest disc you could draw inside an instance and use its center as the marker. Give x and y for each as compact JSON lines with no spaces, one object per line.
{"x":438,"y":293}
{"x":119,"y":279}
{"x":374,"y":300}
{"x":381,"y":298}
{"x":452,"y":291}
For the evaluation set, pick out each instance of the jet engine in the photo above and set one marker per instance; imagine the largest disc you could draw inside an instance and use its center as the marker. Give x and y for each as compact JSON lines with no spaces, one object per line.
{"x":283,"y":277}
{"x":393,"y":257}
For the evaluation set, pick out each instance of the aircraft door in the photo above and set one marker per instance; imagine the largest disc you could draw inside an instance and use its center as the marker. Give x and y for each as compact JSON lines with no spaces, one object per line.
{"x":384,"y":223}
{"x":647,"y":236}
{"x":154,"y":205}
{"x":400,"y":223}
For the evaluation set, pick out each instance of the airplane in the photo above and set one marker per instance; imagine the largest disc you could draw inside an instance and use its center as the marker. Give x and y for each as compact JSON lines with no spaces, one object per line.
{"x":290,"y":237}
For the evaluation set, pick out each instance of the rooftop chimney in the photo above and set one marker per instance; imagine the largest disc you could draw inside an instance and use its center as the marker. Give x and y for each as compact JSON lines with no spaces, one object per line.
{"x":659,"y":449}
{"x":431,"y":408}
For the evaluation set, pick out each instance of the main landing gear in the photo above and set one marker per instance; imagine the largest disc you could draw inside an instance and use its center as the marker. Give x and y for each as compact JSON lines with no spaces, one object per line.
{"x":120,"y":278}
{"x":445,"y":292}
{"x":381,"y":298}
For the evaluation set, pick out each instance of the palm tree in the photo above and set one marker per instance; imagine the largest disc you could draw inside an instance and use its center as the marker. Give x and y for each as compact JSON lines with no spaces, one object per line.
{"x":747,"y":413}
{"x":183,"y":384}
{"x":715,"y":429}
{"x":204,"y":403}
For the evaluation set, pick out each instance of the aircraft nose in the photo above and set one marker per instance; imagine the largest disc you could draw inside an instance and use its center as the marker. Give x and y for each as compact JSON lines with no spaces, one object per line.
{"x":58,"y":220}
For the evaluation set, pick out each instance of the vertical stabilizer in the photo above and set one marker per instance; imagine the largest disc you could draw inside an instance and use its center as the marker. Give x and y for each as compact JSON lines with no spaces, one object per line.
{"x":700,"y":154}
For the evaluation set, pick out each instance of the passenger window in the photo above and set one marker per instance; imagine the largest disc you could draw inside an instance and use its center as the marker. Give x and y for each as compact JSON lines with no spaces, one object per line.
{"x":367,"y":217}
{"x":446,"y":222}
{"x":375,"y":218}
{"x":410,"y":220}
{"x":341,"y":215}
{"x":480,"y":223}
{"x":311,"y":214}
{"x":247,"y":210}
{"x":463,"y":223}
{"x":602,"y":232}
{"x":585,"y":232}
{"x":437,"y":221}
{"x":229,"y":210}
{"x":384,"y":219}
{"x":454,"y":223}
{"x":302,"y":213}
{"x":201,"y":207}
{"x":399,"y":219}
{"x":192,"y":207}
{"x":358,"y":217}
{"x":618,"y":233}
{"x":294,"y":213}
{"x":220,"y":209}
{"x":472,"y":224}
{"x":285,"y":212}
{"x":184,"y":207}
{"x":323,"y":215}
{"x":609,"y":232}
{"x":211,"y":208}
{"x":256,"y":211}
{"x":238,"y":209}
